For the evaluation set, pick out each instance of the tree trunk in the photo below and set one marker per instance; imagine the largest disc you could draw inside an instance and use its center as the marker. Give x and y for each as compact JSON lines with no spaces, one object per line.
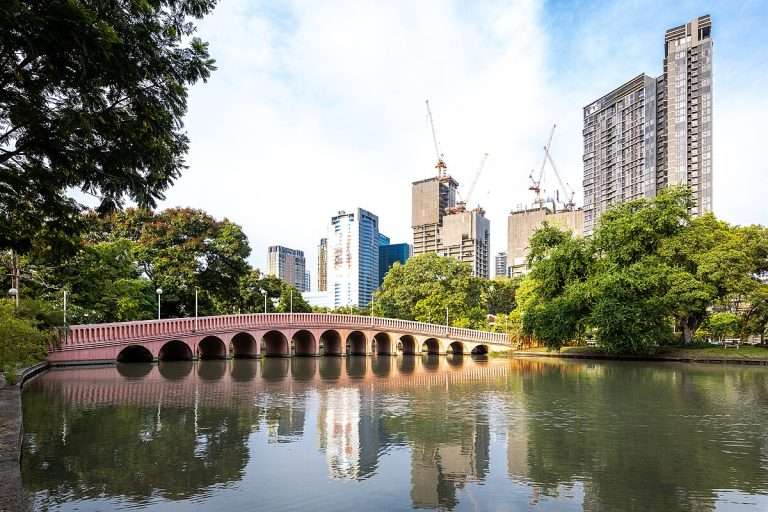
{"x":688,"y":326}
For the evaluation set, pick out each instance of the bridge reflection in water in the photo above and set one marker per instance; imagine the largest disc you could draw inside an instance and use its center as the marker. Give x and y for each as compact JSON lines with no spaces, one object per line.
{"x":284,"y":433}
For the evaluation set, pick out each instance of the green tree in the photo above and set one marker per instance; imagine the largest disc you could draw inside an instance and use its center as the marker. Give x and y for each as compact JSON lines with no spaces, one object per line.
{"x":106,"y":285}
{"x":426,"y":285}
{"x":499,"y":295}
{"x":648,"y":265}
{"x":723,"y":324}
{"x":181,"y":249}
{"x":92,"y":97}
{"x":25,"y":333}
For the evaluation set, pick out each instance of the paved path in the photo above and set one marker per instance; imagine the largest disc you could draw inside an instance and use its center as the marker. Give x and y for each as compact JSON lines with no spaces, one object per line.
{"x":11,"y":490}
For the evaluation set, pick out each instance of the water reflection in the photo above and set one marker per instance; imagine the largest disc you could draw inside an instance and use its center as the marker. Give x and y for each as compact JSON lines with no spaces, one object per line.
{"x":407,"y":431}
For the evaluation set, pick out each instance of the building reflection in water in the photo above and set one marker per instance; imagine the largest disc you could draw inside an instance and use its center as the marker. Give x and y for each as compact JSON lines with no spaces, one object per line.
{"x":183,"y":430}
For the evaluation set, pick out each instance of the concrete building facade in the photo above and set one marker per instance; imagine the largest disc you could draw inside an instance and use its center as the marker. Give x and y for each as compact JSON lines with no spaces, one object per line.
{"x":430,"y":200}
{"x":651,"y":133}
{"x":287,"y":264}
{"x":685,"y":111}
{"x":353,"y":257}
{"x":466,"y":236}
{"x":500,"y":264}
{"x":322,"y":265}
{"x":522,"y":224}
{"x":443,"y":226}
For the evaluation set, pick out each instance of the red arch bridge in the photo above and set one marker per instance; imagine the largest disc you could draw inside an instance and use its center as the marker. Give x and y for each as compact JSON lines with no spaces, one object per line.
{"x":270,"y":334}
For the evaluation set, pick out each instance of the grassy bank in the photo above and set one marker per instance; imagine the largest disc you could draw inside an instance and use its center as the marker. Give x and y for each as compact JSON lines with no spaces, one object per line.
{"x":693,"y":353}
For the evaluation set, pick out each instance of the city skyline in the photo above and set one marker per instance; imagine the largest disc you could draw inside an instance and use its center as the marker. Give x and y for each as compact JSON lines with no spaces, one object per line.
{"x":472,"y":108}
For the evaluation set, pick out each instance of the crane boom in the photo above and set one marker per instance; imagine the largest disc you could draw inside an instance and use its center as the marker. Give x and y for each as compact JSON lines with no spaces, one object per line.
{"x":476,"y":178}
{"x":566,"y":189}
{"x":536,"y":183}
{"x":440,"y":166}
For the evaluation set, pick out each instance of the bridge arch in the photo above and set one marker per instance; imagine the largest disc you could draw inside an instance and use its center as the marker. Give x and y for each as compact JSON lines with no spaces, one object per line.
{"x":456,"y":348}
{"x":244,"y":346}
{"x":381,"y":344}
{"x":330,"y":340}
{"x":408,"y":344}
{"x":303,"y":343}
{"x":431,"y":346}
{"x":211,"y":347}
{"x":274,"y":344}
{"x":175,"y":350}
{"x":357,"y":343}
{"x":135,"y":354}
{"x":479,"y":350}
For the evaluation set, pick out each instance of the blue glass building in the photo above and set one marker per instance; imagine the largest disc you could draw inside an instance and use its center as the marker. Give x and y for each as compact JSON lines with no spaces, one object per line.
{"x":389,"y":254}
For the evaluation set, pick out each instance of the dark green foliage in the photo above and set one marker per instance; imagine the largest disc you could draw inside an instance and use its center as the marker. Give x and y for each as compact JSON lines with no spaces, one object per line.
{"x":92,"y":97}
{"x":426,"y":285}
{"x":648,"y":268}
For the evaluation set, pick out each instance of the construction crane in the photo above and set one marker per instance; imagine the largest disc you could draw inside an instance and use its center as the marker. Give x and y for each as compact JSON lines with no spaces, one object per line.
{"x":476,"y":178}
{"x":569,"y":204}
{"x":536,"y":183}
{"x":440,"y":166}
{"x":535,"y":186}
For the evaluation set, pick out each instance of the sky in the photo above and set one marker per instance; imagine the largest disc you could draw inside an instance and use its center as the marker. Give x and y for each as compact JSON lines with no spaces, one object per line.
{"x":318,"y":107}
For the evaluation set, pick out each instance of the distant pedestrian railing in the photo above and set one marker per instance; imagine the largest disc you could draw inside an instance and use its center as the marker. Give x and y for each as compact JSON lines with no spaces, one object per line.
{"x":89,"y":334}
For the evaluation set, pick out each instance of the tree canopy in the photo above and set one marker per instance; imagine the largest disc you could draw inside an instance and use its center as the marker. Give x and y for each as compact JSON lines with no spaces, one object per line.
{"x":650,"y":269}
{"x":428,"y":286}
{"x":92,"y":97}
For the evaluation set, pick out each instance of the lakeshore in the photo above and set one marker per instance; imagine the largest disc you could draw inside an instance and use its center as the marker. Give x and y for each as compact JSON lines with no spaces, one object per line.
{"x":744,"y":354}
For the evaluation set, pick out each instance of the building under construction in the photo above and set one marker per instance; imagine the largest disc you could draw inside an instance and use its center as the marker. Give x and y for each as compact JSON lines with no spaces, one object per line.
{"x":559,"y":211}
{"x":521,"y":224}
{"x":446,"y":227}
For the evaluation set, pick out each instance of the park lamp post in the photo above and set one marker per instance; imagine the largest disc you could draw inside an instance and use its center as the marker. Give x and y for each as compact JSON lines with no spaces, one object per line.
{"x":159,"y":292}
{"x":264,"y":293}
{"x":195,"y":308}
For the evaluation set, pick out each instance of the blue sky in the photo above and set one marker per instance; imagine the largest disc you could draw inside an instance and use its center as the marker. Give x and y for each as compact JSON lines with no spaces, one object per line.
{"x":319,"y":106}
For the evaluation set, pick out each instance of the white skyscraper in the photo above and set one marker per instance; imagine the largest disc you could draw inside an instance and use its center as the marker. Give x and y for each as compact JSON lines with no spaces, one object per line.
{"x":353,"y":258}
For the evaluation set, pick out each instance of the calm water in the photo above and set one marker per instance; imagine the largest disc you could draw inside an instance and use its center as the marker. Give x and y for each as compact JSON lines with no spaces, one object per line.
{"x":390,"y":433}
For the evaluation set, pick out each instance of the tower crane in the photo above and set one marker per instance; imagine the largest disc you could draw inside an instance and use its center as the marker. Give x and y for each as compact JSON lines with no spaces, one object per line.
{"x":569,"y":204}
{"x":476,"y":178}
{"x":536,"y":183}
{"x":440,"y":166}
{"x":535,"y":186}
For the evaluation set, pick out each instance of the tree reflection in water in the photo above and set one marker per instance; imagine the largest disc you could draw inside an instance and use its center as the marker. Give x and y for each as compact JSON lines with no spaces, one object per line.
{"x":597,"y":436}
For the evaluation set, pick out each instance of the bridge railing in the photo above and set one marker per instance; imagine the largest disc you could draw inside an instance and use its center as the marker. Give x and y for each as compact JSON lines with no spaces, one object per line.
{"x":88,"y":334}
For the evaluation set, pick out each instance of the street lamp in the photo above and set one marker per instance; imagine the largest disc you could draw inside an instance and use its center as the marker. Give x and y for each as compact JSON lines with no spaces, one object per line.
{"x":159,"y":292}
{"x":264,"y":293}
{"x":13,"y":292}
{"x":195,"y":308}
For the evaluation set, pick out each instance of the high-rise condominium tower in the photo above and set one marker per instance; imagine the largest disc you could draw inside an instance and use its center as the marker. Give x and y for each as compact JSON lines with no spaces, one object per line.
{"x":322,"y":265}
{"x":500,"y":265}
{"x":651,"y":133}
{"x":353,"y":257}
{"x":288,"y":265}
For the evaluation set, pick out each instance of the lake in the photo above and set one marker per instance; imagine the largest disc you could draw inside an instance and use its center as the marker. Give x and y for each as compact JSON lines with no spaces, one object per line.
{"x":397,"y":433}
